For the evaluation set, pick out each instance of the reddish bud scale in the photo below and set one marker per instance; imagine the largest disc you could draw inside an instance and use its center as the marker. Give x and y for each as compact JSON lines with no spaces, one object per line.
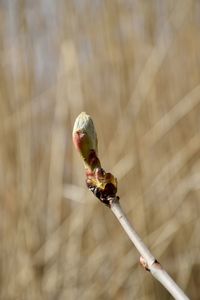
{"x":78,"y":139}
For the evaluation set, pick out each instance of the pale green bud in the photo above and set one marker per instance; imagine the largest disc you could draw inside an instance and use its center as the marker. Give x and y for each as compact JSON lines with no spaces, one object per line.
{"x":85,"y":140}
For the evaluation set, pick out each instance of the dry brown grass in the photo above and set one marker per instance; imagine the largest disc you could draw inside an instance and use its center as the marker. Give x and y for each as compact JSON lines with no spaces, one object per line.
{"x":135,"y":67}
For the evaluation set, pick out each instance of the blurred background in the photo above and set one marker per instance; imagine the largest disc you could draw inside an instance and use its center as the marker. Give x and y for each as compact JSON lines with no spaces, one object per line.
{"x":134,"y":66}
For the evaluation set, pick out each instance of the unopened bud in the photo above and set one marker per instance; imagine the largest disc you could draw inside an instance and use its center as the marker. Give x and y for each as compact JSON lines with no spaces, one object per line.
{"x":85,"y":140}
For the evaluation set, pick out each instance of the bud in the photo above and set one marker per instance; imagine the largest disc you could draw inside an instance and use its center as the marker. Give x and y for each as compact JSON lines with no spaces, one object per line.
{"x":85,"y":140}
{"x":102,"y":184}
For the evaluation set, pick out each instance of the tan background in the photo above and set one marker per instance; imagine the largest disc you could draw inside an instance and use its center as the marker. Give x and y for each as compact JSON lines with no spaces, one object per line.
{"x":135,"y":67}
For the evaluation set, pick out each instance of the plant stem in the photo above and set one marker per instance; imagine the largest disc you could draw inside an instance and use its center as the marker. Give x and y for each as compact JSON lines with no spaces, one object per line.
{"x":148,"y":261}
{"x":104,"y":187}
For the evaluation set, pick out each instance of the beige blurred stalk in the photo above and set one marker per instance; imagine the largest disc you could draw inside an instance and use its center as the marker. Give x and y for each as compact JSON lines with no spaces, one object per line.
{"x":104,"y":186}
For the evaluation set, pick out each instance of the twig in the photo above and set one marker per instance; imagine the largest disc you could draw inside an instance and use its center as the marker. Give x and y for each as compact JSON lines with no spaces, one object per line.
{"x":104,"y":187}
{"x":148,"y":261}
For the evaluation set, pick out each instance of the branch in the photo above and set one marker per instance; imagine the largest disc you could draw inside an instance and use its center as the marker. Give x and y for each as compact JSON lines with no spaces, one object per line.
{"x":148,"y":261}
{"x":104,"y":187}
